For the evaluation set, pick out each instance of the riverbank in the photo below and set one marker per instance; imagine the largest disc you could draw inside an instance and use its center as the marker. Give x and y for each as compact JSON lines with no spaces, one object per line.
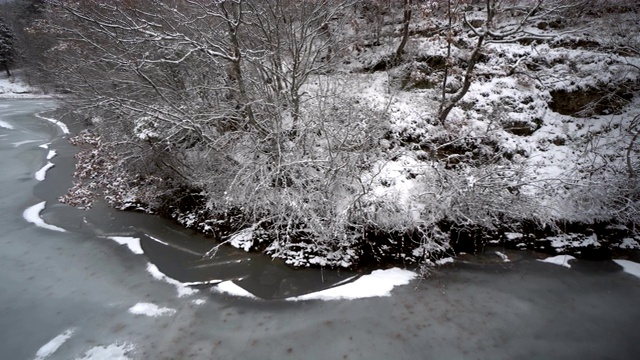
{"x":355,"y":166}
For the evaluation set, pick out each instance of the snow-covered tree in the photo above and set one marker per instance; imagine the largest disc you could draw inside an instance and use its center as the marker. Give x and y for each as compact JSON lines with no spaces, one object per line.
{"x":7,"y":47}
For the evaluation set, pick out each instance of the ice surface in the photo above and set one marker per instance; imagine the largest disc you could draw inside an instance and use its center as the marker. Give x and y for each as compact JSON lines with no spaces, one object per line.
{"x":562,"y":260}
{"x":32,"y":215}
{"x":52,"y":346}
{"x":151,"y":310}
{"x":132,"y":243}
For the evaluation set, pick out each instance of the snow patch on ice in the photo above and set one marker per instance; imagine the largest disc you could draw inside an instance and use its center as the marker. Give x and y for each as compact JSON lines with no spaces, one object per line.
{"x":230,"y":288}
{"x":52,"y":346}
{"x":6,"y":125}
{"x":207,"y":282}
{"x":18,"y":143}
{"x":562,"y":260}
{"x":629,"y":267}
{"x":111,"y":352}
{"x":51,"y":154}
{"x":183,"y":289}
{"x":60,"y":124}
{"x":377,"y":284}
{"x":132,"y":243}
{"x":503,"y":256}
{"x":32,"y":215}
{"x":157,"y":240}
{"x":199,"y":301}
{"x":42,"y":173}
{"x":151,"y":310}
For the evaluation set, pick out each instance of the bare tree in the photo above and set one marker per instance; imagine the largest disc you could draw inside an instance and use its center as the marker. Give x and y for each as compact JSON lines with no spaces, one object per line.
{"x":505,"y":21}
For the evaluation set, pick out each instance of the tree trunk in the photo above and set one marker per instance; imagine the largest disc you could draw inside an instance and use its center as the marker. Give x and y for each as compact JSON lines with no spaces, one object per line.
{"x":444,"y":113}
{"x":405,"y":31}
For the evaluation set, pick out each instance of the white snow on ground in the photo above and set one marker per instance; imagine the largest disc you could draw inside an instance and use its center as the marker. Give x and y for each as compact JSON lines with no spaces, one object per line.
{"x":243,"y":239}
{"x":12,"y":88}
{"x":445,"y":261}
{"x":629,"y":243}
{"x":513,"y":236}
{"x":183,"y":290}
{"x":573,"y":240}
{"x":132,"y":243}
{"x":562,"y":260}
{"x":503,"y":256}
{"x":229,"y":287}
{"x":60,"y":124}
{"x":378,"y":283}
{"x":110,"y":352}
{"x":51,"y":154}
{"x":6,"y":125}
{"x":42,"y":173}
{"x":32,"y":215}
{"x":199,"y":301}
{"x":52,"y":346}
{"x":629,"y":267}
{"x":45,"y":146}
{"x":151,"y":310}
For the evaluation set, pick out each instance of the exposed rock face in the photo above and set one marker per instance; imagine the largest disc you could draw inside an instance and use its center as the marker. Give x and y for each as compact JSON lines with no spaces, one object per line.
{"x":589,"y":102}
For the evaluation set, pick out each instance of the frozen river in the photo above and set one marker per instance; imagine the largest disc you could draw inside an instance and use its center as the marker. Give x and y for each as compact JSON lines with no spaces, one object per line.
{"x":104,"y":284}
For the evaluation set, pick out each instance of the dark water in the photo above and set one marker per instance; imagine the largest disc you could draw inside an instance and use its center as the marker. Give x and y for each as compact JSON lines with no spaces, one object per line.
{"x":80,"y":281}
